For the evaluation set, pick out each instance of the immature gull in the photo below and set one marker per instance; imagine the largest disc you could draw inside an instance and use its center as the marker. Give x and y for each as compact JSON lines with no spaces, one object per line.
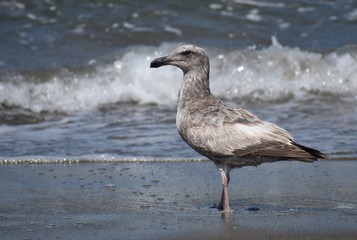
{"x":231,"y":137}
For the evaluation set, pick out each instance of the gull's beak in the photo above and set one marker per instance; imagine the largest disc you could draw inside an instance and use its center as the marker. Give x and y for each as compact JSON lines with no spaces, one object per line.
{"x":158,"y":62}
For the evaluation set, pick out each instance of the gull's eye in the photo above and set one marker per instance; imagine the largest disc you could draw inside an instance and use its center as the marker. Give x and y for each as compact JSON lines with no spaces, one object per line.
{"x":186,"y":53}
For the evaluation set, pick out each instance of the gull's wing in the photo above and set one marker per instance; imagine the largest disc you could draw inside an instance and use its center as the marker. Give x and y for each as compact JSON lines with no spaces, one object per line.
{"x":223,"y":131}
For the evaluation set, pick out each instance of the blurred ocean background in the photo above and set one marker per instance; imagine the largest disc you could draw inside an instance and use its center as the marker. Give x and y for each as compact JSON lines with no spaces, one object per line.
{"x":75,"y":82}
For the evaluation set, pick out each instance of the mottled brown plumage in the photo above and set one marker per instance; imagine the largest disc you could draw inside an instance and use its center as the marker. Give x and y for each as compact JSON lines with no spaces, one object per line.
{"x":229,"y":136}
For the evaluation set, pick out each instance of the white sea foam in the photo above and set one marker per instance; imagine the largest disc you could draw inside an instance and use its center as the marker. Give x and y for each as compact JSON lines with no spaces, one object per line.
{"x":260,"y":3}
{"x":275,"y":73}
{"x":254,"y":15}
{"x":352,"y":16}
{"x":93,"y":158}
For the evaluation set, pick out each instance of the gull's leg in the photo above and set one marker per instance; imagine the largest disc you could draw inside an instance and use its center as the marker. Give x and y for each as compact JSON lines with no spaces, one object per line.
{"x":220,"y":205}
{"x":224,"y":204}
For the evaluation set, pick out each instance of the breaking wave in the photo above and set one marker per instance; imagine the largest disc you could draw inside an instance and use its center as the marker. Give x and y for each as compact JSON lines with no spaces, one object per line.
{"x":275,"y":73}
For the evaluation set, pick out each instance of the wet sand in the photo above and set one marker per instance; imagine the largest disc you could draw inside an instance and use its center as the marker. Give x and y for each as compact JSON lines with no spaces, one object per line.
{"x":173,"y":200}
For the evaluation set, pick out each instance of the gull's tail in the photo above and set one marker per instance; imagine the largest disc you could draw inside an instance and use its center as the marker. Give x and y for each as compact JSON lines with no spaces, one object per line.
{"x":315,"y":154}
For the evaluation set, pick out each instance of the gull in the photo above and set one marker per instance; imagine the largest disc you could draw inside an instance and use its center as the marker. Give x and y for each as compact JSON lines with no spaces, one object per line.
{"x":231,"y":137}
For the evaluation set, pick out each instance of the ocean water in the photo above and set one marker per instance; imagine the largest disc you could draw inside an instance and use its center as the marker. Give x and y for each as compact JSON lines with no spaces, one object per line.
{"x":75,"y":82}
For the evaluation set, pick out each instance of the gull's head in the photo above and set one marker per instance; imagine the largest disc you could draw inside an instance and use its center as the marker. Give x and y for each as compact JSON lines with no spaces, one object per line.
{"x":186,"y":58}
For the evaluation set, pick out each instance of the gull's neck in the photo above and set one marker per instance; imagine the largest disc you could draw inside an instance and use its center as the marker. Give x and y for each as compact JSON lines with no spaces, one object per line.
{"x":195,"y":85}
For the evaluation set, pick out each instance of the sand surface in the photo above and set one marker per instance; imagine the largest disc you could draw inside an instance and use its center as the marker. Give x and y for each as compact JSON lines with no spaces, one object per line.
{"x":173,"y":200}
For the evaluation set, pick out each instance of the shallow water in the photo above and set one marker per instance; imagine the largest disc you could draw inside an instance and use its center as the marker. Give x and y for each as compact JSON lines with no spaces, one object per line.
{"x":75,"y":82}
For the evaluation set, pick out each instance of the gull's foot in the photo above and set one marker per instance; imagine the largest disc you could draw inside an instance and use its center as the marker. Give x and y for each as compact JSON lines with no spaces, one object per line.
{"x":228,"y":210}
{"x":220,"y":208}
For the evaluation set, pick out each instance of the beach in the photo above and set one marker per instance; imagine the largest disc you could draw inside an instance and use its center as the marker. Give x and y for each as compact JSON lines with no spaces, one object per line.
{"x":174,"y":200}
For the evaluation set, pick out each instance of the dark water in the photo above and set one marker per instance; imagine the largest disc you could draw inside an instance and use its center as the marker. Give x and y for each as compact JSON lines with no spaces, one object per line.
{"x":75,"y":82}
